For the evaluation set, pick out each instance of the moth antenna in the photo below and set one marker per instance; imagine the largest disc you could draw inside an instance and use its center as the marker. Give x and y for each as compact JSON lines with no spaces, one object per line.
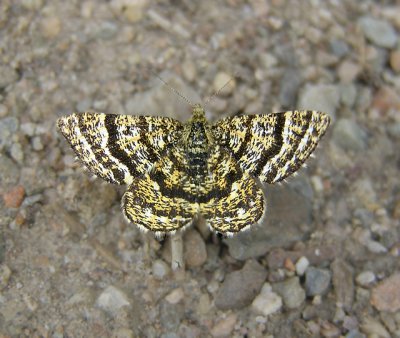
{"x":174,"y":90}
{"x":210,"y":98}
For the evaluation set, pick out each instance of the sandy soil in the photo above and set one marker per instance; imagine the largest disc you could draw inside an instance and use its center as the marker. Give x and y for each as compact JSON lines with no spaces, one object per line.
{"x":325,"y":263}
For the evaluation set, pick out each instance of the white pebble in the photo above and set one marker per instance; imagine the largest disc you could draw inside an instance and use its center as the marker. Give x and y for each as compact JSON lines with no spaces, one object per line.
{"x":375,"y":247}
{"x":37,"y":144}
{"x":175,"y":296}
{"x":160,"y":269}
{"x":267,"y":302}
{"x":112,"y":299}
{"x":317,"y":184}
{"x":302,"y":265}
{"x":365,"y":278}
{"x":224,"y":83}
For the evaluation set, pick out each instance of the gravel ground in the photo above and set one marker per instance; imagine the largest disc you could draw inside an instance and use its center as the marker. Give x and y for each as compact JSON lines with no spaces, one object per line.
{"x":326,"y":261}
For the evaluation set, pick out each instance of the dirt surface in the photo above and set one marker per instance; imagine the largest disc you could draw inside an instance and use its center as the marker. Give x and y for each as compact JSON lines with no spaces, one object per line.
{"x":325,"y":263}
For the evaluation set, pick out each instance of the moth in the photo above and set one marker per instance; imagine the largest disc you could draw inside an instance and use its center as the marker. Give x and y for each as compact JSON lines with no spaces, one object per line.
{"x":177,"y":171}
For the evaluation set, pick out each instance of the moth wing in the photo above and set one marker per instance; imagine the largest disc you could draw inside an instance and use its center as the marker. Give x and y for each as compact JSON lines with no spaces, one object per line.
{"x":165,"y":199}
{"x":273,"y":146}
{"x":230,"y":199}
{"x":118,"y":148}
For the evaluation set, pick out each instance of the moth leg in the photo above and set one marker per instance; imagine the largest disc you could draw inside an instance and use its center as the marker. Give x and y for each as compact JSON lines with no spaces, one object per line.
{"x":177,"y":260}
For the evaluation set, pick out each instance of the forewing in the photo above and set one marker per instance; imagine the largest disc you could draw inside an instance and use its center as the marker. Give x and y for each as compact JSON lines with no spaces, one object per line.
{"x":230,"y":199}
{"x":272,"y":146}
{"x":119,"y":148}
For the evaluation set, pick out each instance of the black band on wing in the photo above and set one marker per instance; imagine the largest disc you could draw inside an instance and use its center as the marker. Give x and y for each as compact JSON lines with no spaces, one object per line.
{"x":98,"y":153}
{"x":195,"y":197}
{"x":276,"y":148}
{"x":112,"y":144}
{"x":296,"y":143}
{"x":245,"y":143}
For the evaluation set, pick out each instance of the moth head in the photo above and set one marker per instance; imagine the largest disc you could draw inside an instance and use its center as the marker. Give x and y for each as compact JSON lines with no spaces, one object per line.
{"x":198,"y":114}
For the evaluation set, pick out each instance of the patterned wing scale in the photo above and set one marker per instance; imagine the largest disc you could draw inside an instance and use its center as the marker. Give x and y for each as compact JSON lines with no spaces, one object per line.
{"x":147,"y":206}
{"x":164,"y":199}
{"x":168,"y":198}
{"x":273,"y":146}
{"x":118,"y":148}
{"x":231,"y":198}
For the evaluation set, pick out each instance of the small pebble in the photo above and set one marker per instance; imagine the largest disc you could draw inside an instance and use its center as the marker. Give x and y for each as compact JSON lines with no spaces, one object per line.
{"x":386,"y":99}
{"x":112,"y":299}
{"x":342,"y":280}
{"x":291,"y":292}
{"x":288,"y":264}
{"x":8,"y":127}
{"x":189,"y":70}
{"x":218,"y":104}
{"x":17,"y":153}
{"x":175,"y":296}
{"x":317,"y":281}
{"x":241,"y":287}
{"x":317,"y":184}
{"x":348,"y":94}
{"x":204,"y":304}
{"x":267,"y":302}
{"x":348,"y":135}
{"x":348,"y":71}
{"x":9,"y":172}
{"x":379,"y":32}
{"x":171,"y":315}
{"x":100,"y":105}
{"x":160,"y":269}
{"x":375,"y":246}
{"x":30,"y":303}
{"x":14,"y":197}
{"x":366,"y":278}
{"x":268,"y":60}
{"x":28,"y":128}
{"x":395,"y":60}
{"x":373,"y":328}
{"x":339,"y":47}
{"x":386,"y":295}
{"x":224,"y":83}
{"x":339,"y":314}
{"x":37,"y":144}
{"x":320,"y":97}
{"x":350,"y":323}
{"x":302,"y":265}
{"x":50,"y":27}
{"x":329,"y":330}
{"x":195,"y":251}
{"x":225,"y":326}
{"x":31,"y":200}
